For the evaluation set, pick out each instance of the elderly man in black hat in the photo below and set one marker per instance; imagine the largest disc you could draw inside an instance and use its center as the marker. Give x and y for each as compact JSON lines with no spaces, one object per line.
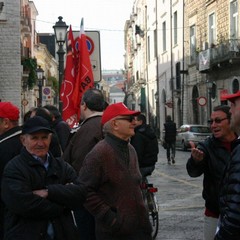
{"x":112,"y":175}
{"x":39,"y":190}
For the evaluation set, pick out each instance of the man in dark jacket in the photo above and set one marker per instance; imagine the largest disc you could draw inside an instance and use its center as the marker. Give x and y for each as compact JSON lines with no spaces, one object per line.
{"x":170,"y":139}
{"x":112,"y":175}
{"x":10,"y":144}
{"x":39,"y":190}
{"x":86,"y":137}
{"x":210,"y":158}
{"x":229,"y":220}
{"x":146,"y":145}
{"x":61,"y":128}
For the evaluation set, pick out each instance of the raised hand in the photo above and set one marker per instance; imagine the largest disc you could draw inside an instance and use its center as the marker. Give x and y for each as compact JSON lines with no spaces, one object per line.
{"x":197,"y":154}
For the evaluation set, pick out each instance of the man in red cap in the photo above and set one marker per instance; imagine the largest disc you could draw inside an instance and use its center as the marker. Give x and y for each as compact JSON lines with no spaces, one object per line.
{"x":229,"y":220}
{"x":10,"y":144}
{"x":112,"y":175}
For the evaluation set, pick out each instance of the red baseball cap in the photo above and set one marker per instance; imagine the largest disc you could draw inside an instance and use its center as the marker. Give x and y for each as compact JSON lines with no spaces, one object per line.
{"x":8,"y":110}
{"x":231,"y":97}
{"x":116,"y":109}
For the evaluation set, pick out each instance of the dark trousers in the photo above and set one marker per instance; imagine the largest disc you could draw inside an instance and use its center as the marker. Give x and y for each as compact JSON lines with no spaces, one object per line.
{"x":85,"y":223}
{"x":171,"y":148}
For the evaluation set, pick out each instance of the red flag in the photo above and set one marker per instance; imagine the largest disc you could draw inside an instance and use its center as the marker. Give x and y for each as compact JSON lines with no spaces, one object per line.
{"x":84,"y":80}
{"x":69,"y":113}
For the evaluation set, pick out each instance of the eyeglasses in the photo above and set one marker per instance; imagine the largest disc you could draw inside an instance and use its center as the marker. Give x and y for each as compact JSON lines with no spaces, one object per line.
{"x":129,"y":119}
{"x":216,"y":120}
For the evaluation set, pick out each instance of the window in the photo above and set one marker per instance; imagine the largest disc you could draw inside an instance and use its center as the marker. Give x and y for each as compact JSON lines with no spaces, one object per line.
{"x":193,"y":44}
{"x":235,"y":85}
{"x":175,"y":28}
{"x":148,"y":46}
{"x":211,"y":29}
{"x":164,"y":43}
{"x":155,"y":43}
{"x":214,"y":91}
{"x":233,"y":19}
{"x":3,"y":10}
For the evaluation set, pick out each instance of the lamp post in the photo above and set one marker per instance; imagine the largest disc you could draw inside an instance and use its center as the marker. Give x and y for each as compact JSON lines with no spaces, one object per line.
{"x":40,"y":75}
{"x":209,"y":87}
{"x":60,"y":29}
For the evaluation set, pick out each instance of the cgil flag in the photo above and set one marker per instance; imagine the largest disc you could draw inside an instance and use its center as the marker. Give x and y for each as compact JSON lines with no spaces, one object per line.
{"x":69,"y":113}
{"x":84,"y":80}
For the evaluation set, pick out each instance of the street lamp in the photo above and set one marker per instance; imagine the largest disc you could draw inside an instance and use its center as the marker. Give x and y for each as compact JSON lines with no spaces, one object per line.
{"x":40,"y":76}
{"x":209,"y":87}
{"x":60,"y":29}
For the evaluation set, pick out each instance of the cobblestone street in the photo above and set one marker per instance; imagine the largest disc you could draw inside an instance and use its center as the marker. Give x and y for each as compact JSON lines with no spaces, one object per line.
{"x":179,"y":197}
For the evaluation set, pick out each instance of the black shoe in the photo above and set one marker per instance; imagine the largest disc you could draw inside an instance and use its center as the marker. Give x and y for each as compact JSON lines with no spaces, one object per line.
{"x":169,"y":162}
{"x":173,"y":161}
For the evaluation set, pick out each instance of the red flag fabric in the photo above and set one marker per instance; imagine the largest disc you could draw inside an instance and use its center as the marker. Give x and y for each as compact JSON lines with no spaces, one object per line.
{"x":69,"y":113}
{"x":84,"y":80}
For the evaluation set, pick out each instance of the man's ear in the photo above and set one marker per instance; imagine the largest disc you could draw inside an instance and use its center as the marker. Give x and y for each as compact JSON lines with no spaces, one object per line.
{"x":22,"y":139}
{"x":114,"y":124}
{"x":84,"y":105}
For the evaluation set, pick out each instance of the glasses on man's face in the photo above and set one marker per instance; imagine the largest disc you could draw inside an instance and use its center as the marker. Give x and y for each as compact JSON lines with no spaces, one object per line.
{"x":216,"y":120}
{"x":129,"y":118}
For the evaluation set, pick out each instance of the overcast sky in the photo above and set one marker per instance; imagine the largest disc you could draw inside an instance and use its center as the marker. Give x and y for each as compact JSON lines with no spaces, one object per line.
{"x":107,"y":16}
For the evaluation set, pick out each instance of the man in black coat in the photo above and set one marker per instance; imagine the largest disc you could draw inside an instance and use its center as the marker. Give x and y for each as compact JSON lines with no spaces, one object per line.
{"x":61,"y":127}
{"x":10,"y":144}
{"x":40,"y":191}
{"x":229,"y":220}
{"x":210,"y":159}
{"x":146,"y":145}
{"x":170,"y":139}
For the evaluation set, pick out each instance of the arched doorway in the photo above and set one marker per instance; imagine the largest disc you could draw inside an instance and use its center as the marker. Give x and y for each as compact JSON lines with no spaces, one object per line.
{"x":195,"y":107}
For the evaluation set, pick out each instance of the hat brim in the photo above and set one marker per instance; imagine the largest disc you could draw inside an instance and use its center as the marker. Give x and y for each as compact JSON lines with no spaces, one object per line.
{"x":133,"y":113}
{"x":37,"y":129}
{"x":231,"y":97}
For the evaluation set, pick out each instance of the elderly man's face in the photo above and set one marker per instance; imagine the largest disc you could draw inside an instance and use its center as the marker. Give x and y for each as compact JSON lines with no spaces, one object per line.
{"x":37,"y":143}
{"x":124,"y":126}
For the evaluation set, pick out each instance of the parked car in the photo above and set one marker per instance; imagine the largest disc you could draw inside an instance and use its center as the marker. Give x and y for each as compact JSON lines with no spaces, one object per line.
{"x":191,"y":132}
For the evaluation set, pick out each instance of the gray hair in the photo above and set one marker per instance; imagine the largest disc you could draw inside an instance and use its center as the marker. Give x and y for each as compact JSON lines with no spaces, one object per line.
{"x":107,"y":127}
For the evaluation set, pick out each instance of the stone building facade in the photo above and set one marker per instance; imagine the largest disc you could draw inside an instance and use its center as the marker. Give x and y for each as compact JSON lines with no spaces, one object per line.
{"x":10,"y":52}
{"x":192,"y":55}
{"x":212,"y":53}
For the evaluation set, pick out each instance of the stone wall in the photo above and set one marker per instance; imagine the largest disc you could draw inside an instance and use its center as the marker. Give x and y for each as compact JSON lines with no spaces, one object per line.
{"x":10,"y":53}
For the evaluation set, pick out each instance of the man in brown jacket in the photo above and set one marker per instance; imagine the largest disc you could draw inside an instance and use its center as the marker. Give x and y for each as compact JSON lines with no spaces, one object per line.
{"x":112,"y":175}
{"x":87,"y":136}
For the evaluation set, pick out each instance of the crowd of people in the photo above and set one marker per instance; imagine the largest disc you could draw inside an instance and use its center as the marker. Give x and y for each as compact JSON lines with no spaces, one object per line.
{"x":59,"y":183}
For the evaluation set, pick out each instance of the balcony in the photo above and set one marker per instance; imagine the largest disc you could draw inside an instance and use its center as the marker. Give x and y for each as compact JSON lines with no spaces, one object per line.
{"x":26,"y":26}
{"x":228,"y":51}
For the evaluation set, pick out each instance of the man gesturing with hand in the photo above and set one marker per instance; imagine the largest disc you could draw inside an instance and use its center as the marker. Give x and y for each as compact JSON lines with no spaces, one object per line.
{"x":210,"y":158}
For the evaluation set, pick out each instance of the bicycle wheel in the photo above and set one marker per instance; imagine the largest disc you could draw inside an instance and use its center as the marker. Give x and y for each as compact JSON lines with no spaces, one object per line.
{"x":153,"y":213}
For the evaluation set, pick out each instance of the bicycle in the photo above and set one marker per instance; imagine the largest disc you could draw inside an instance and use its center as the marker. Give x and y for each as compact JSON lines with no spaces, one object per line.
{"x":151,"y":204}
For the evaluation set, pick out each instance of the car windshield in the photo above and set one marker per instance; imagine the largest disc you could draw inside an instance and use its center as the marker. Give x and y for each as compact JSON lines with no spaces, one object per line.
{"x":198,"y":129}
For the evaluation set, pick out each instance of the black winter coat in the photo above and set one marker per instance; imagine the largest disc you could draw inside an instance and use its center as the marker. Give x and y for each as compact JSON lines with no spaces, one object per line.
{"x":230,"y":199}
{"x":170,"y":131}
{"x":10,"y":146}
{"x":28,"y":215}
{"x":146,"y":145}
{"x":63,"y":131}
{"x":213,"y":167}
